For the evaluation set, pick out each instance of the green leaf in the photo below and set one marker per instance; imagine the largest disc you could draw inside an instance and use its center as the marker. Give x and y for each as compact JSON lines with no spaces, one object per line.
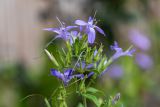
{"x":80,"y":105}
{"x":76,"y":47}
{"x":64,"y":52}
{"x":100,"y":67}
{"x":107,"y":102}
{"x":61,"y":58}
{"x":98,"y":56}
{"x":88,"y":55}
{"x":68,"y":45}
{"x":68,"y":54}
{"x":92,"y":98}
{"x":81,"y":87}
{"x":47,"y":103}
{"x":51,"y":57}
{"x":110,"y":101}
{"x":92,"y":90}
{"x":83,"y":43}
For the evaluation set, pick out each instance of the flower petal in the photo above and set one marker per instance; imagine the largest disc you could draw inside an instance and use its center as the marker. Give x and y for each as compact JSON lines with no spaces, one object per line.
{"x":56,"y":30}
{"x":90,"y":74}
{"x":95,"y":52}
{"x":70,"y":27}
{"x":68,"y":72}
{"x":80,"y":28}
{"x":57,"y":74}
{"x":130,"y":52}
{"x":91,"y":35}
{"x":116,"y":47}
{"x":99,"y":30}
{"x":81,"y":64}
{"x":74,"y":33}
{"x":80,"y":22}
{"x":81,"y":76}
{"x":90,"y":66}
{"x":120,"y":52}
{"x":90,"y":20}
{"x":144,"y":61}
{"x":71,"y":41}
{"x":136,"y":37}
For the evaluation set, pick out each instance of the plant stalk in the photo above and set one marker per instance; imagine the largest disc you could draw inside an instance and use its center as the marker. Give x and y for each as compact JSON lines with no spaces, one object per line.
{"x":84,"y":102}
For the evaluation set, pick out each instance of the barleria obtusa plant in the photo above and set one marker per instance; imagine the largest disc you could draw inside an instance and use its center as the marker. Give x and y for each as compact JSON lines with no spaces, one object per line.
{"x":80,"y":63}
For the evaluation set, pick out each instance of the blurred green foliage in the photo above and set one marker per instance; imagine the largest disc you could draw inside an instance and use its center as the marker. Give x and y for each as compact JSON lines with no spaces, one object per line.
{"x":20,"y":87}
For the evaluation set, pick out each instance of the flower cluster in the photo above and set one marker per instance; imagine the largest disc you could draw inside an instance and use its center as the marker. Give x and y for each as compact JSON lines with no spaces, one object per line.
{"x":81,"y":60}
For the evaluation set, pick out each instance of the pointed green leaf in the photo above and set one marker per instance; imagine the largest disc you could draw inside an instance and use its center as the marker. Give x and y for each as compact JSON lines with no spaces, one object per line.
{"x":92,"y":90}
{"x":100,"y":67}
{"x":92,"y":98}
{"x":51,"y":57}
{"x":47,"y":103}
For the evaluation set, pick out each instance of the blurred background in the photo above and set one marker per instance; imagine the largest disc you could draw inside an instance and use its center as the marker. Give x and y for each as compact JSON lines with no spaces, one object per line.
{"x":25,"y":69}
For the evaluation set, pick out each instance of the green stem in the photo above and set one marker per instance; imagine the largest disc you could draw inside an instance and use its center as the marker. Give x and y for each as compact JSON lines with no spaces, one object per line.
{"x":84,"y":102}
{"x":62,"y":96}
{"x":84,"y":92}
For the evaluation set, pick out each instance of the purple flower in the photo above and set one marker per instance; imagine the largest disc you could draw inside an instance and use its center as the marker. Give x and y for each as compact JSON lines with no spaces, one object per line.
{"x":115,"y":71}
{"x":95,"y":52}
{"x":120,"y":52}
{"x":74,"y":35}
{"x":144,"y":61}
{"x":84,"y":65}
{"x":63,"y":32}
{"x":139,"y":40}
{"x":90,"y":28}
{"x":90,"y":74}
{"x":66,"y":76}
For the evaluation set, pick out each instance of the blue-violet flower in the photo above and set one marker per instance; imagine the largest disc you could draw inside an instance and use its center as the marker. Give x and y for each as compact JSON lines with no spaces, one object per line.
{"x":90,"y":31}
{"x":120,"y":52}
{"x":66,"y":76}
{"x":63,"y":32}
{"x":144,"y":61}
{"x":139,"y":39}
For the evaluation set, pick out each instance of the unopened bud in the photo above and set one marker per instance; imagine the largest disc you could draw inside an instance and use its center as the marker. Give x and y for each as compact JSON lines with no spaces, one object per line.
{"x":116,"y":98}
{"x":51,"y":57}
